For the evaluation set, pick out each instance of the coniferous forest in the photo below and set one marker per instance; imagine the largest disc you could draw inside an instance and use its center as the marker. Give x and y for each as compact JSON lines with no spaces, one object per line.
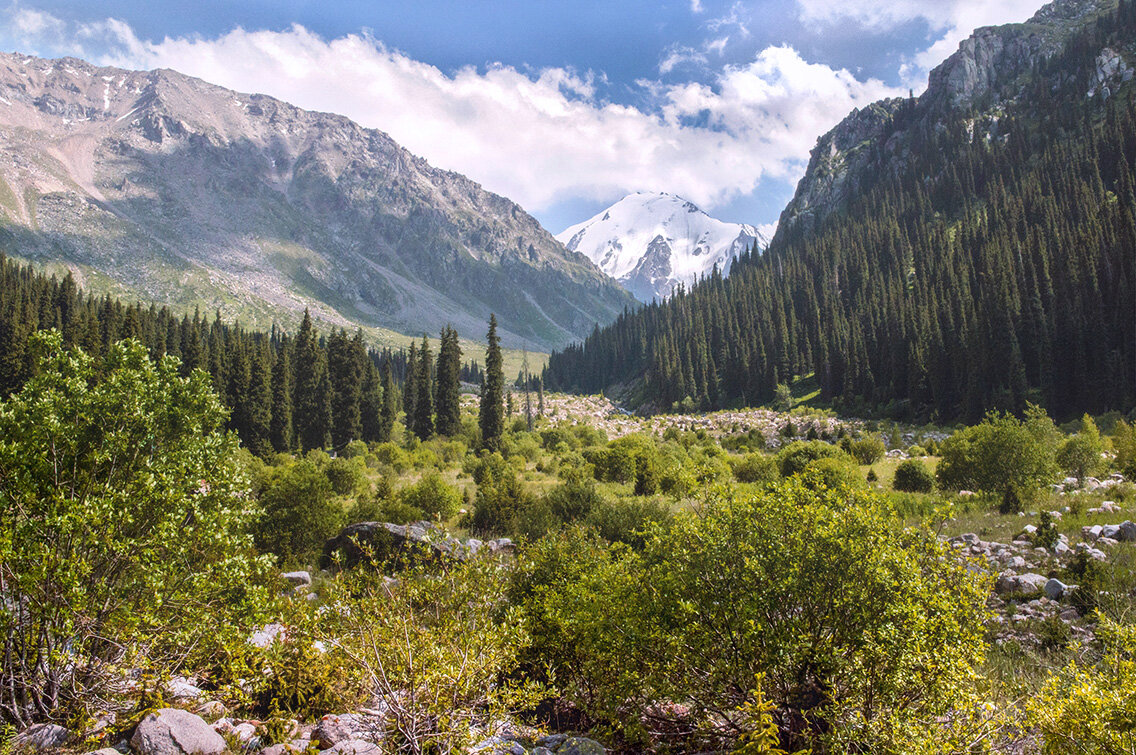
{"x":284,"y":391}
{"x":976,"y":272}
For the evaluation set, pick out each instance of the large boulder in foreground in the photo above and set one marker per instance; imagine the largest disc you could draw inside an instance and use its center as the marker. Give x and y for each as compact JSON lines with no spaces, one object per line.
{"x":170,"y":731}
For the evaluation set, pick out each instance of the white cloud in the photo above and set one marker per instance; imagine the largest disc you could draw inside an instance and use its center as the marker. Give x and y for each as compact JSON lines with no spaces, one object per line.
{"x":951,"y":21}
{"x":695,"y":6}
{"x":28,"y":22}
{"x":540,"y":137}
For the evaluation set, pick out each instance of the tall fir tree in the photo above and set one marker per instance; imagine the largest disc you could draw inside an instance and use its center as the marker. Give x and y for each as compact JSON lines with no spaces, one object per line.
{"x":311,"y":396}
{"x":258,"y":411}
{"x":371,"y":404}
{"x":423,"y":425}
{"x":447,"y":391}
{"x":345,"y":372}
{"x":491,"y":417}
{"x":390,"y":404}
{"x":280,"y":432}
{"x":410,"y":386}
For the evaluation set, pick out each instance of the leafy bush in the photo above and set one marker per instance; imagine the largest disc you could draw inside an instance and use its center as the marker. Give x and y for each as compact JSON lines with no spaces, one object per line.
{"x":867,"y":450}
{"x":756,"y":467}
{"x":1002,"y":456}
{"x":1090,"y":708}
{"x":832,"y":473}
{"x":913,"y":477}
{"x":1080,"y":455}
{"x":1046,"y":535}
{"x":123,"y":518}
{"x":432,"y":496}
{"x":500,"y":497}
{"x":793,"y":458}
{"x":345,"y":475}
{"x":300,"y":513}
{"x":822,"y":592}
{"x":627,"y":521}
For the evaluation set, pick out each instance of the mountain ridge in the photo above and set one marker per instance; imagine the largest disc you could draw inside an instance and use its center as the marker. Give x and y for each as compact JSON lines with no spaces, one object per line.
{"x":654,"y":242}
{"x":189,"y":194}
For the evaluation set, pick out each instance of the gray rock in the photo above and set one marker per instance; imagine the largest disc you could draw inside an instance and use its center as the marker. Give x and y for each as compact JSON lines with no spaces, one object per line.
{"x":171,"y":731}
{"x":1127,"y":532}
{"x":1091,"y":533}
{"x":1054,"y":589}
{"x":267,"y":637}
{"x":298,"y":578}
{"x":353,"y":747}
{"x":333,"y":729}
{"x":212,"y":709}
{"x":180,"y":688}
{"x":1111,"y":531}
{"x":1023,"y":583}
{"x":42,"y":737}
{"x":104,"y":751}
{"x":552,"y":741}
{"x":580,"y":746}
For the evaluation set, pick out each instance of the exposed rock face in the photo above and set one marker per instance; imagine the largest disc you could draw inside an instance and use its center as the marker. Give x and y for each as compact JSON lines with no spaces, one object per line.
{"x":189,"y":194}
{"x":988,"y":70}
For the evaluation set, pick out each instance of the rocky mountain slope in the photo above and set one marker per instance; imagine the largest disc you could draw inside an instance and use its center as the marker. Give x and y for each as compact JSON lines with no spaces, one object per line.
{"x":989,"y":73}
{"x":651,"y":243}
{"x":164,"y":187}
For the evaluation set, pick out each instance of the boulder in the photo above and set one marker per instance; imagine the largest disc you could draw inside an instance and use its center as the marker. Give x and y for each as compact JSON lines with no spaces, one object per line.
{"x":1021,"y":583}
{"x":104,"y":751}
{"x":580,"y":746}
{"x":384,"y":541}
{"x":1054,"y":589}
{"x":333,"y":729}
{"x":180,"y":688}
{"x":353,"y":747}
{"x":170,"y":731}
{"x":268,"y":636}
{"x":297,"y":578}
{"x":1127,"y":533}
{"x":1111,"y":531}
{"x":42,"y":737}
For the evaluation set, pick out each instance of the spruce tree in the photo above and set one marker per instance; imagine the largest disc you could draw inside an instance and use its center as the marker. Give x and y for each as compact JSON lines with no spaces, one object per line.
{"x":410,"y":386}
{"x":423,"y":424}
{"x":390,"y":404}
{"x":280,"y":431}
{"x":311,"y":400}
{"x":258,"y":410}
{"x":371,"y":404}
{"x":447,"y":392}
{"x":491,"y":415}
{"x":345,"y":371}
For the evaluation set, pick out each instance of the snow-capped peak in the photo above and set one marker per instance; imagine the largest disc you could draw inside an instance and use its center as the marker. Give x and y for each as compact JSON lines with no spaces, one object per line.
{"x":652,"y":242}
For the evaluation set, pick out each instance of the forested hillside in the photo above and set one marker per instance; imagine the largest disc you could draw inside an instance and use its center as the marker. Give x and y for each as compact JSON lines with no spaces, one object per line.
{"x":283,"y":391}
{"x":979,"y":254}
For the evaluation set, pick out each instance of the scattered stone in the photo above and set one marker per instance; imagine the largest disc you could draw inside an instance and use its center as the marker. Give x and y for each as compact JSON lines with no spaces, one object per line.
{"x":213,"y":709}
{"x":1127,"y":532}
{"x":580,"y":746}
{"x":333,"y":729}
{"x":1054,"y":589}
{"x":353,"y":747}
{"x":268,"y":636}
{"x":104,"y":751}
{"x":244,"y":732}
{"x":298,"y":578}
{"x":180,"y":688}
{"x":171,"y":731}
{"x":42,"y":737}
{"x":1021,"y":583}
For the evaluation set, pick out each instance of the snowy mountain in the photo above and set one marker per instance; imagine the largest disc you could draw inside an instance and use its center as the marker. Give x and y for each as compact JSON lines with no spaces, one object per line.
{"x":652,"y":242}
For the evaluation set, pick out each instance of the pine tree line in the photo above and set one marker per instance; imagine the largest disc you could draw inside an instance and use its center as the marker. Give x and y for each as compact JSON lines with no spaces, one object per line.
{"x":973,"y":273}
{"x":284,"y":392}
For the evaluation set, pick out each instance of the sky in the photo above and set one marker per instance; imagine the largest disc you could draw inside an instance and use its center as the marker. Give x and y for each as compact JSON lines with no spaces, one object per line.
{"x":564,"y":107}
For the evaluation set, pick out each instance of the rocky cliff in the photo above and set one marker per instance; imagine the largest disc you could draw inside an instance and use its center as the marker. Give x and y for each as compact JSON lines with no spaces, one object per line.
{"x":988,"y":72}
{"x":161,"y":186}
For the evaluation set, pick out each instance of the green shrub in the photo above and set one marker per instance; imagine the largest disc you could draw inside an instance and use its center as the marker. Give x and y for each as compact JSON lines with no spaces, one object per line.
{"x":868,"y":450}
{"x":500,"y":497}
{"x":627,"y":521}
{"x":1046,"y":535}
{"x":300,"y":512}
{"x":819,"y":591}
{"x":1001,"y":456}
{"x":913,"y":477}
{"x":344,"y":475}
{"x":392,"y":456}
{"x":832,"y":473}
{"x":432,"y":496}
{"x":123,"y":527}
{"x":756,"y":467}
{"x":1080,"y":455}
{"x":793,"y":458}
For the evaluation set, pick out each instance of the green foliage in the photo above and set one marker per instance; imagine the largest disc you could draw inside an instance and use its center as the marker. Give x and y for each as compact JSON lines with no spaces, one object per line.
{"x":1091,"y":709}
{"x":300,"y":513}
{"x":500,"y":497}
{"x":1046,"y":535}
{"x":782,"y":398}
{"x":832,"y":473}
{"x":432,"y":496}
{"x":867,"y":450}
{"x":1124,"y":441}
{"x":122,"y":520}
{"x":848,"y":616}
{"x":912,"y":476}
{"x":756,"y":467}
{"x":438,"y":652}
{"x":344,"y":475}
{"x":1089,"y":576}
{"x":1080,"y":455}
{"x":793,"y":458}
{"x":491,"y":415}
{"x":1002,"y":456}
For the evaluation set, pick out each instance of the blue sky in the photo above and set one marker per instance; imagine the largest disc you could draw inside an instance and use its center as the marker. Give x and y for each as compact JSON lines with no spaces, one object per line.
{"x":562,"y":106}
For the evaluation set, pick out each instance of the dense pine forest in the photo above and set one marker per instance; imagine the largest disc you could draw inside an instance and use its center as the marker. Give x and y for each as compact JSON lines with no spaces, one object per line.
{"x":975,"y":271}
{"x":284,"y":391}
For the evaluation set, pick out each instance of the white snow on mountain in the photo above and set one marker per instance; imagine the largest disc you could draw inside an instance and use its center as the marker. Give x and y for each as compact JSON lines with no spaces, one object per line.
{"x":651,"y":243}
